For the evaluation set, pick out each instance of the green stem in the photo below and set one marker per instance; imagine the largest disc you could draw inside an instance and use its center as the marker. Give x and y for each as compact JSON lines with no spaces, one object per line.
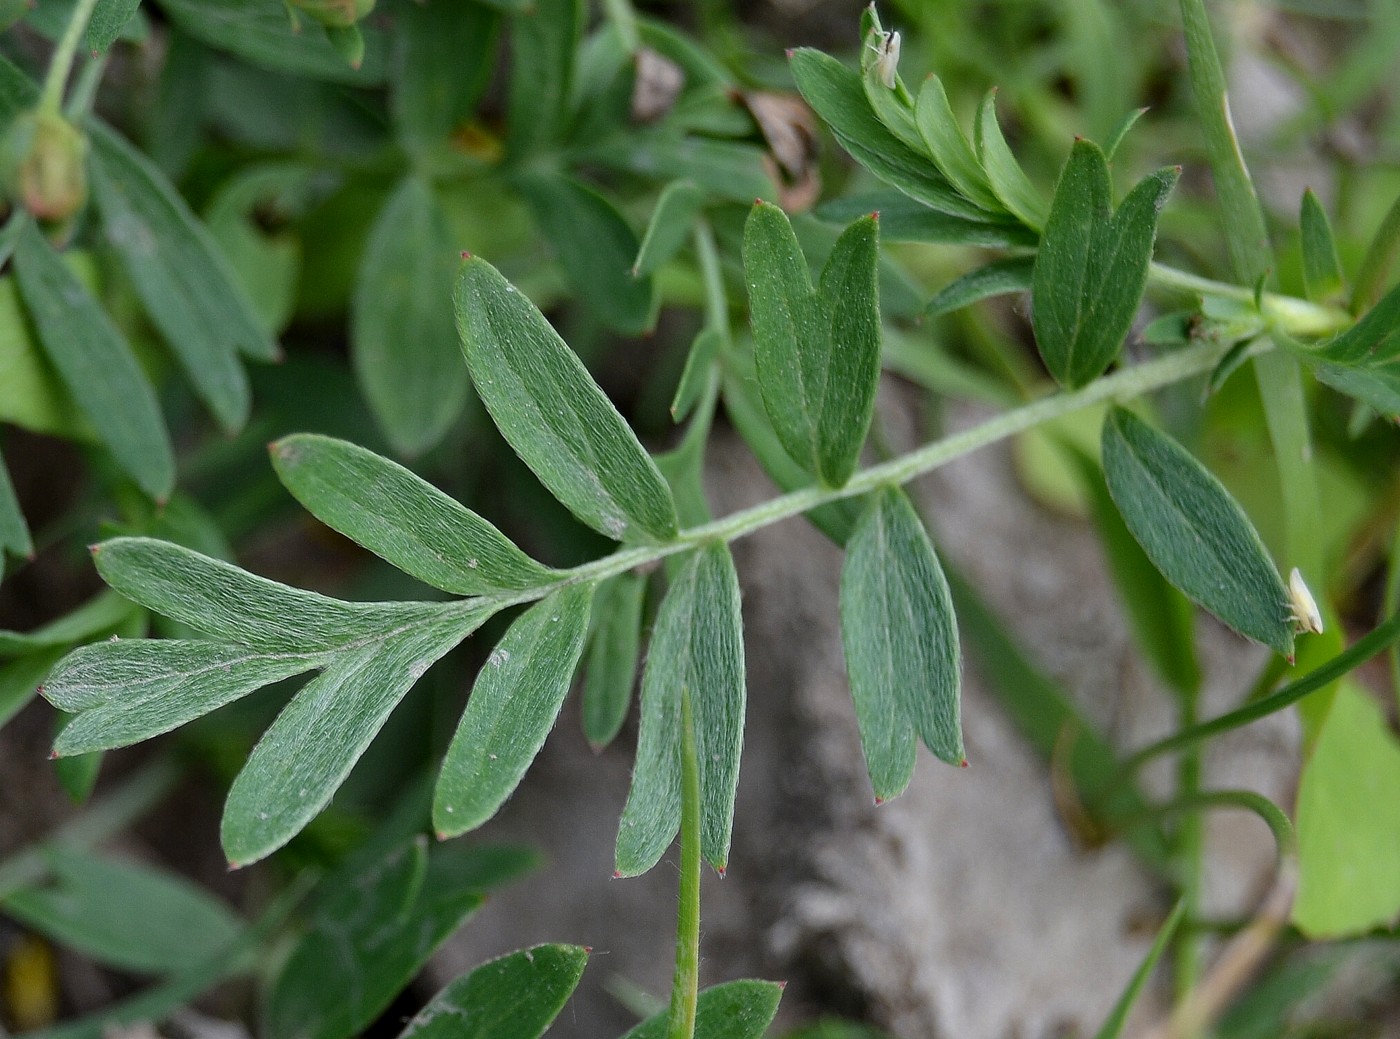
{"x":624,"y":19}
{"x":61,"y":64}
{"x":1190,"y":858}
{"x":1285,"y":840}
{"x":1360,"y":652}
{"x":1280,"y":382}
{"x":716,"y":299}
{"x":1298,"y":317}
{"x":685,"y":988}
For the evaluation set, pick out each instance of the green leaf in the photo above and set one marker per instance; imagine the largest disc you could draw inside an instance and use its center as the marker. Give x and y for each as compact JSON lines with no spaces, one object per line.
{"x":1349,"y":823}
{"x":838,"y":97}
{"x":1091,"y":268}
{"x":1008,"y":181}
{"x":1322,"y":271}
{"x":402,"y":342}
{"x":96,"y":364}
{"x":231,"y":604}
{"x":308,"y":751}
{"x":670,"y":226}
{"x":1373,"y":340}
{"x":997,"y":278}
{"x":735,"y":1010}
{"x":373,"y":930}
{"x":705,"y":349}
{"x":596,"y":248}
{"x":1118,"y":1016}
{"x":512,"y":997}
{"x":126,"y":691}
{"x":1120,"y":131}
{"x":614,"y":648}
{"x":1193,"y":531}
{"x":14,"y":532}
{"x":183,"y":280}
{"x":20,"y":679}
{"x":401,"y":518}
{"x":817,"y":354}
{"x":1379,"y":387}
{"x":516,"y":697}
{"x":544,"y":39}
{"x":123,"y":915}
{"x":443,"y":62}
{"x":108,"y":20}
{"x":261,"y":32}
{"x":902,"y":219}
{"x":554,"y":415}
{"x":31,"y":393}
{"x":696,"y":646}
{"x":722,"y":169}
{"x":950,"y":148}
{"x":901,"y":643}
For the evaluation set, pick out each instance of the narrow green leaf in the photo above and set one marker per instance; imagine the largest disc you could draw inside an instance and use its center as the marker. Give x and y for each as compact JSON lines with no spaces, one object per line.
{"x":14,"y":532}
{"x":373,"y":930}
{"x":1374,"y":272}
{"x":1322,"y":270}
{"x":401,"y":518}
{"x":554,"y":415}
{"x":1118,"y":1016}
{"x":734,"y":1010}
{"x":516,"y":697}
{"x":184,"y":281}
{"x":544,"y":40}
{"x":816,"y":354}
{"x":614,"y":649}
{"x":838,"y":97}
{"x":96,"y":365}
{"x":671,"y":223}
{"x":699,"y":367}
{"x":108,"y":20}
{"x":1091,"y":268}
{"x":596,"y":248}
{"x":1373,"y":340}
{"x":443,"y":59}
{"x":901,"y":643}
{"x":1194,"y":532}
{"x":31,"y":393}
{"x":402,"y":343}
{"x":697,"y":645}
{"x":513,"y":997}
{"x":722,"y":169}
{"x":902,"y":219}
{"x":1379,"y":387}
{"x":1008,"y":181}
{"x":123,"y":915}
{"x":261,"y":32}
{"x":129,"y":690}
{"x":20,"y":680}
{"x":1348,"y":822}
{"x":231,"y":604}
{"x":308,"y":751}
{"x":1116,"y":135}
{"x":950,"y":148}
{"x":998,"y":278}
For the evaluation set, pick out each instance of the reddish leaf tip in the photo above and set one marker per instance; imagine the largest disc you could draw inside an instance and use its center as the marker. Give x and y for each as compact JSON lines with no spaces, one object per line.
{"x":466,"y":255}
{"x":879,"y":801}
{"x":588,"y":950}
{"x":617,"y":874}
{"x":875,"y":215}
{"x":53,"y":755}
{"x":782,"y":985}
{"x":442,"y":835}
{"x":790,"y":52}
{"x":723,"y":871}
{"x":94,"y":549}
{"x":963,"y":763}
{"x":235,"y":865}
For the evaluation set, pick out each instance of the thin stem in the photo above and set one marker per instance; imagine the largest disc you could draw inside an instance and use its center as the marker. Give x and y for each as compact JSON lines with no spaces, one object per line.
{"x":1286,"y":415}
{"x":685,"y":988}
{"x":1297,"y":317}
{"x":716,"y":300}
{"x":84,"y":94}
{"x":1190,"y":857}
{"x":61,"y":64}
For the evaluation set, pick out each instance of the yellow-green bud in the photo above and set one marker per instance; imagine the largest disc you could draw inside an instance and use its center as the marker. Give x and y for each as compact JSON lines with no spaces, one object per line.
{"x":334,"y":14}
{"x":41,"y":165}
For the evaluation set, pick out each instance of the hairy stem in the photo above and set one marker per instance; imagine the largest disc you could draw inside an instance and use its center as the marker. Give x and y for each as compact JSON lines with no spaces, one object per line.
{"x":685,"y":988}
{"x":1298,"y":317}
{"x":61,"y":64}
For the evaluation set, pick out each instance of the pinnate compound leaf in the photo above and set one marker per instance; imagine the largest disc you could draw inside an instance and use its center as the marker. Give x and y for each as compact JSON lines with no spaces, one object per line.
{"x":696,"y":649}
{"x":96,"y":364}
{"x":901,"y":643}
{"x":1322,"y":270}
{"x":124,"y":915}
{"x":512,"y":997}
{"x":373,"y":930}
{"x":1008,"y":181}
{"x":1193,"y":531}
{"x":184,"y":281}
{"x":596,"y":247}
{"x":734,"y":1010}
{"x":401,"y":518}
{"x":817,"y":354}
{"x":305,"y":754}
{"x":516,"y":698}
{"x":129,"y":690}
{"x":554,"y":415}
{"x":231,"y":604}
{"x":1091,"y":268}
{"x":670,"y":226}
{"x":613,"y":651}
{"x":1348,"y":822}
{"x":837,"y":95}
{"x":402,"y":341}
{"x":997,"y":278}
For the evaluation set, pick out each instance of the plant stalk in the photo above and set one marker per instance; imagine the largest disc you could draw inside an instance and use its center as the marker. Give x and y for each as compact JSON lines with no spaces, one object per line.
{"x":61,"y":64}
{"x":685,"y":987}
